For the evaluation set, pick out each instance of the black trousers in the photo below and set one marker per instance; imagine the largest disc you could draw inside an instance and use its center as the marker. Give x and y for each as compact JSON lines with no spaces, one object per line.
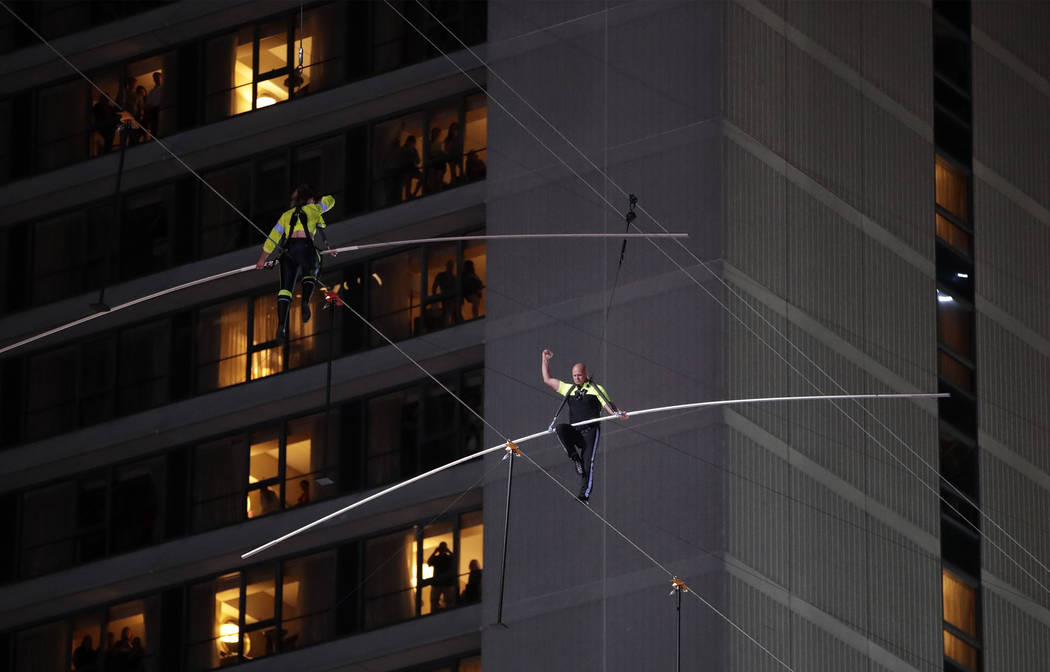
{"x":581,"y":442}
{"x":299,"y":258}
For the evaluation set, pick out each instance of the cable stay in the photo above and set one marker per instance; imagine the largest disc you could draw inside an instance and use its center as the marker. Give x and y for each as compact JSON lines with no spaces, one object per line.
{"x":512,"y":447}
{"x":99,"y":312}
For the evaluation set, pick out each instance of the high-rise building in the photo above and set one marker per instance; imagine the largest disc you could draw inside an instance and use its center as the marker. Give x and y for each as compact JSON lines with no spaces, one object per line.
{"x":864,"y":186}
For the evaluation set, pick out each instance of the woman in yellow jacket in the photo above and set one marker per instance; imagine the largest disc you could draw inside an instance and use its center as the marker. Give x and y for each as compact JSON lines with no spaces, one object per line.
{"x":293,"y":242}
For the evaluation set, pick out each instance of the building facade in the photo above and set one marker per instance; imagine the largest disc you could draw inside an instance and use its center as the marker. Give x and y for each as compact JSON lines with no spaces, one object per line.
{"x":864,"y":189}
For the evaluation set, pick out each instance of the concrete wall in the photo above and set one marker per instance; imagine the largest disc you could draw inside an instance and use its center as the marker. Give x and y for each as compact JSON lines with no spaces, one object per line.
{"x":1012,"y":241}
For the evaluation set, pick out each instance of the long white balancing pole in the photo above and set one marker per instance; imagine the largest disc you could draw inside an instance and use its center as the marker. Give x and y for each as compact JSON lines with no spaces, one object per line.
{"x":122,"y":306}
{"x":381,"y":493}
{"x":761,"y":400}
{"x":502,"y":236}
{"x":349,"y":248}
{"x":530,"y":437}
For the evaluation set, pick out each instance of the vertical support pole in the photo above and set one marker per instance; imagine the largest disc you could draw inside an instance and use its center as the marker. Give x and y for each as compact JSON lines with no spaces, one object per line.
{"x":506,"y":533}
{"x":678,"y":635}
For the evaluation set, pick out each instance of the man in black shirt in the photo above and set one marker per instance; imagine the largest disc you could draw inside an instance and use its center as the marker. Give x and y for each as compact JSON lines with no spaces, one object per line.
{"x":586,"y":400}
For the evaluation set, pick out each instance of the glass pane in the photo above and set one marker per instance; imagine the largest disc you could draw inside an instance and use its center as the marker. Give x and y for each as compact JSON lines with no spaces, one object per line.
{"x":397,"y":160}
{"x":219,"y":479}
{"x":273,"y":46}
{"x":227,"y":612}
{"x":472,"y":279}
{"x":390,"y":565}
{"x":222,"y":342}
{"x":86,"y":640}
{"x":42,"y":649}
{"x":394,"y":296}
{"x":48,"y":529}
{"x":960,"y":603}
{"x":135,"y":626}
{"x":51,"y":402}
{"x":96,"y":381}
{"x":471,"y":550}
{"x":439,"y":428}
{"x":954,"y":236}
{"x":955,"y":371}
{"x":63,"y":114}
{"x":265,"y":454}
{"x":229,"y":73}
{"x":960,"y":651}
{"x":322,"y":45}
{"x":307,"y":595}
{"x":272,"y":91}
{"x":475,"y":140}
{"x":952,"y":194}
{"x":440,"y":580}
{"x":443,"y":150}
{"x":954,"y":325}
{"x":136,"y":507}
{"x":259,"y":595}
{"x":309,"y":340}
{"x":472,"y":664}
{"x":144,"y":367}
{"x":471,"y":431}
{"x":443,"y":285}
{"x":222,"y":229}
{"x":305,"y":461}
{"x":393,"y":428}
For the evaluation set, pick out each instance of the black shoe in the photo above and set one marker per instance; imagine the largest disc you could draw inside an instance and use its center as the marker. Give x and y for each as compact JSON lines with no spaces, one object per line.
{"x":582,"y":497}
{"x":577,"y":463}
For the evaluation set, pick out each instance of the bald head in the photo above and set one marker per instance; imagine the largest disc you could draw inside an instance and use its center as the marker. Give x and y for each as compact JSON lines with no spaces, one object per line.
{"x":579,"y":373}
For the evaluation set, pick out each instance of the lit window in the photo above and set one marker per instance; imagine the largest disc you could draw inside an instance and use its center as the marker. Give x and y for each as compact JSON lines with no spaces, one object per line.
{"x":423,"y":570}
{"x":951,"y":188}
{"x":959,"y":651}
{"x":222,"y":337}
{"x":960,"y":603}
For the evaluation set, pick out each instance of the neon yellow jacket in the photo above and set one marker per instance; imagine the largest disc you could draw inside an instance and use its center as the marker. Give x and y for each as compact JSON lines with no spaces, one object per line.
{"x":314,"y":222}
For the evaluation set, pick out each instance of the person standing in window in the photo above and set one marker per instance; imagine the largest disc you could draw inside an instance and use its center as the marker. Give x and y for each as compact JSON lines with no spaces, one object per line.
{"x":585,"y":399}
{"x":293,"y":242}
{"x":153,"y":103}
{"x":453,"y":153}
{"x":445,"y":582}
{"x":472,"y":287}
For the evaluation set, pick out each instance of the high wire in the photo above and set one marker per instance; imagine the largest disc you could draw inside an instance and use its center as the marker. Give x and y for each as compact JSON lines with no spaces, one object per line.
{"x":731,"y":290}
{"x":548,"y":432}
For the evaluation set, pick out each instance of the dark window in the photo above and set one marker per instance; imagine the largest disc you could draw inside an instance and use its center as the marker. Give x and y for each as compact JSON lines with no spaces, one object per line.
{"x":146,"y":232}
{"x":220,"y":477}
{"x":222,"y":229}
{"x":959,"y":468}
{"x":144,"y":367}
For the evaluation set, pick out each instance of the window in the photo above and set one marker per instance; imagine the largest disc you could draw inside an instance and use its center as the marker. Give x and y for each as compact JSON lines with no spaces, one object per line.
{"x":409,"y":296}
{"x":429,"y":151}
{"x":146,"y":232}
{"x":272,"y":469}
{"x":74,"y":522}
{"x":418,"y":428}
{"x":70,"y":253}
{"x":64,"y":112}
{"x":257,"y":66}
{"x":131,"y":633}
{"x":423,"y":570}
{"x":220,"y":473}
{"x":144,"y":369}
{"x":261,"y":611}
{"x":51,"y":395}
{"x":954,"y":236}
{"x":221,"y":228}
{"x":952,"y":189}
{"x":222,"y":345}
{"x":397,"y":44}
